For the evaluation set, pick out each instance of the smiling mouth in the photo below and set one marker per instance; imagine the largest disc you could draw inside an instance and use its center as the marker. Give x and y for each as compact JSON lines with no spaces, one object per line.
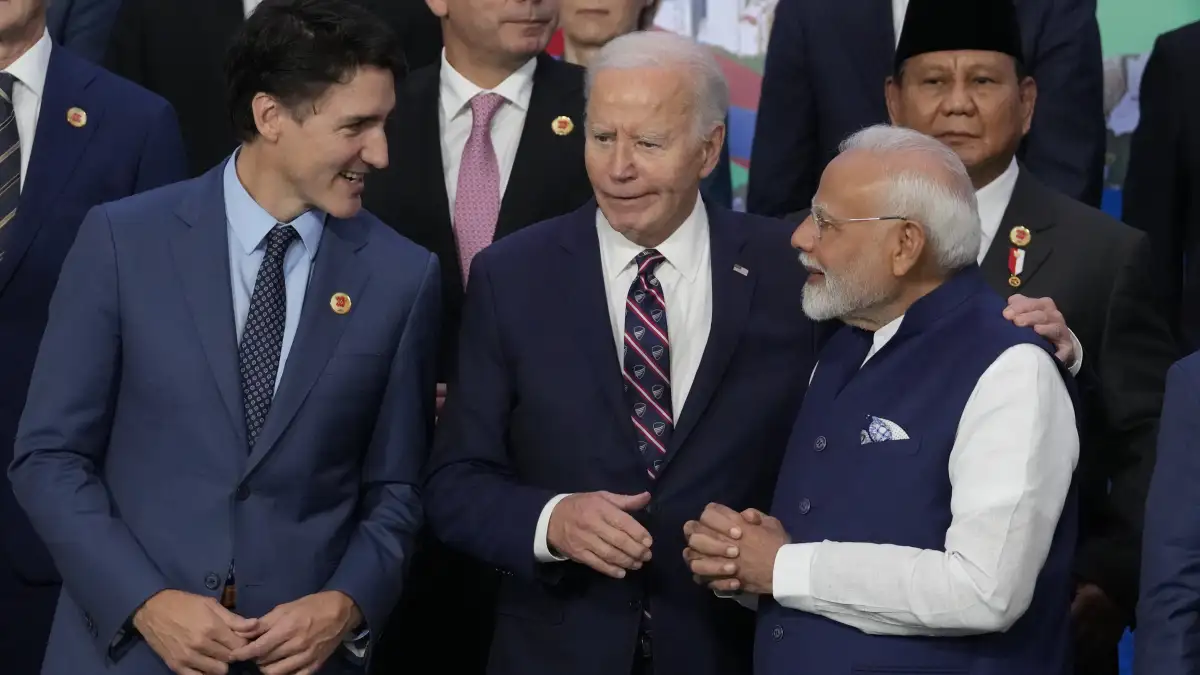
{"x":354,"y":177}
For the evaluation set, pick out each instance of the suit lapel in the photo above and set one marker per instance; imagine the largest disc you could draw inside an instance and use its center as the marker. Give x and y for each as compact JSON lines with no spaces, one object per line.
{"x":731,"y":295}
{"x":336,"y":270}
{"x":1023,"y":211}
{"x":201,"y":255}
{"x":57,"y":147}
{"x":432,"y":174}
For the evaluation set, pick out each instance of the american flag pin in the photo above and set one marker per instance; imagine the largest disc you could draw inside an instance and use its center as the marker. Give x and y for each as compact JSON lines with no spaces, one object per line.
{"x":741,"y":270}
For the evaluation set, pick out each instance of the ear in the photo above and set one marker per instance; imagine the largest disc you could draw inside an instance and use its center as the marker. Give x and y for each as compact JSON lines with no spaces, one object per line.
{"x":891,"y":93}
{"x":711,"y":147}
{"x":910,"y":247}
{"x":439,"y":8}
{"x":1028,"y":103}
{"x":268,"y":116}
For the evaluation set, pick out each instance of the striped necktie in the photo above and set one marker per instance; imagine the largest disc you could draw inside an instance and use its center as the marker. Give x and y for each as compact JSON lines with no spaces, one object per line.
{"x":10,"y":162}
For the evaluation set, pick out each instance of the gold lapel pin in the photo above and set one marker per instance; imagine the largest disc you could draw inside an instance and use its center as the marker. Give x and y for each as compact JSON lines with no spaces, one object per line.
{"x":1020,"y":235}
{"x":77,"y":117}
{"x":340,"y":303}
{"x":562,"y":125}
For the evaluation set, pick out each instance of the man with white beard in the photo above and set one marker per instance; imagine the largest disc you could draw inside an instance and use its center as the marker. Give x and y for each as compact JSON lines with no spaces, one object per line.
{"x":926,"y":491}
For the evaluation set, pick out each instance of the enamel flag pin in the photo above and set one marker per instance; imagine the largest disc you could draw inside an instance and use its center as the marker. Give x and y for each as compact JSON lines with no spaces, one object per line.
{"x":562,"y":125}
{"x":1020,"y":236}
{"x":1016,"y":265}
{"x":340,"y":303}
{"x":77,"y":117}
{"x":741,"y":270}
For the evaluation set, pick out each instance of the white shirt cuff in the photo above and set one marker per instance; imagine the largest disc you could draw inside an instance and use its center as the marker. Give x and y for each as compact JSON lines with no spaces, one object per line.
{"x":541,"y":547}
{"x":1077,"y":364}
{"x":791,"y":580}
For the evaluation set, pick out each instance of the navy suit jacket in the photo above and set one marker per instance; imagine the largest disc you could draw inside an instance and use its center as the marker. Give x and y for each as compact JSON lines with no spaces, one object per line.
{"x":84,"y":26}
{"x":537,"y":409}
{"x":130,"y":143}
{"x":132,"y":459}
{"x":816,"y":91}
{"x":1168,"y":613}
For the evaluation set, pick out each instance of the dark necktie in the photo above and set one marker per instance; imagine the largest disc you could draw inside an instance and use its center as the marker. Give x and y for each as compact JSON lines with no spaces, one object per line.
{"x":10,"y":163}
{"x":647,"y":362}
{"x":262,"y":337}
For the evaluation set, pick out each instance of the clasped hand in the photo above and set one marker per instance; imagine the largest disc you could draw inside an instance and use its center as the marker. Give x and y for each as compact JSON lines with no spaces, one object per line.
{"x":597,"y":530}
{"x":195,"y":635}
{"x":730,"y":551}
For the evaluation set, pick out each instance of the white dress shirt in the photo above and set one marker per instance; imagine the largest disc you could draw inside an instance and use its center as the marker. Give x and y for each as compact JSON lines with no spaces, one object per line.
{"x":454,"y":120}
{"x":686,"y":281}
{"x":29,"y":73}
{"x":993,"y":200}
{"x":899,"y":9}
{"x":1010,"y":470}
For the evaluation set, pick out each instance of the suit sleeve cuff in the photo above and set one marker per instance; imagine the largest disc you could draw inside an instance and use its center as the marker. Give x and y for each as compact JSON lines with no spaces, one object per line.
{"x":791,"y":580}
{"x":1077,"y":364}
{"x":541,"y":546}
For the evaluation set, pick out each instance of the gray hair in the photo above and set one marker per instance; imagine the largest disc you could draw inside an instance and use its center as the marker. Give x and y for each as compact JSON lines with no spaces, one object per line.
{"x":662,"y":49}
{"x":942,"y":201}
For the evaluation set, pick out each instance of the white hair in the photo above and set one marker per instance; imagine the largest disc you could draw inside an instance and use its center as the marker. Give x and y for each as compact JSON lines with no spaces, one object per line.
{"x":942,"y":201}
{"x":662,"y":49}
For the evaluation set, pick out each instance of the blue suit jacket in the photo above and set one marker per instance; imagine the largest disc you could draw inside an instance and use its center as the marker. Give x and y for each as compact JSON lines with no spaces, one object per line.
{"x":130,"y":143}
{"x":84,"y":26}
{"x":1168,"y":613}
{"x":132,"y":458}
{"x":816,"y":92}
{"x":537,"y":409}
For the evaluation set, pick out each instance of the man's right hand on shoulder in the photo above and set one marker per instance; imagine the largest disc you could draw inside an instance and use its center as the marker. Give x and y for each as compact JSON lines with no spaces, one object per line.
{"x":193,"y":634}
{"x":595,"y":529}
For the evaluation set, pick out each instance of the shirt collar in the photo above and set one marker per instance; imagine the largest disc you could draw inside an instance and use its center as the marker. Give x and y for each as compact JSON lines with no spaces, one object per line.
{"x":683,"y":249}
{"x":457,"y":91}
{"x":882,"y":336}
{"x":993,"y":199}
{"x":251,"y":223}
{"x":31,"y":67}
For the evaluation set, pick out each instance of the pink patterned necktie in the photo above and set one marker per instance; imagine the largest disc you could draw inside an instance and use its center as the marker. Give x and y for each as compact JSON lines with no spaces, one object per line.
{"x":477,"y":199}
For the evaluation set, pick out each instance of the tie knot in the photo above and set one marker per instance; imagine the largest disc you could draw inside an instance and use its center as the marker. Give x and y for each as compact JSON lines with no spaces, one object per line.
{"x":648,"y":261}
{"x":279,"y":238}
{"x":483,"y":108}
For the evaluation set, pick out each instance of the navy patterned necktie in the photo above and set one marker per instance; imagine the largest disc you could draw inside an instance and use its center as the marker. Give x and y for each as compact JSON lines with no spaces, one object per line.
{"x":10,"y":162}
{"x":262,"y":337}
{"x":647,"y":362}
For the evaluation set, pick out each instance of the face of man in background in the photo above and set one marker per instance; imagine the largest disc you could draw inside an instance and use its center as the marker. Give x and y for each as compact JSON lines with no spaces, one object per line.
{"x":506,"y":31}
{"x":970,"y":100}
{"x":645,"y":155}
{"x":595,"y":22}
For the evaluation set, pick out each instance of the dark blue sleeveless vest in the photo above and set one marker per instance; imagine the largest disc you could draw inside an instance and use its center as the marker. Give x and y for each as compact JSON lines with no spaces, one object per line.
{"x":832,"y":487}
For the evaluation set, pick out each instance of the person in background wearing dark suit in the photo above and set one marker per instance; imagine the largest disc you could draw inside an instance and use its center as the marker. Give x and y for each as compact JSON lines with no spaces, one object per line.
{"x":959,"y":77}
{"x":176,"y":48}
{"x":620,"y":367}
{"x":71,"y":136}
{"x":1162,"y":186}
{"x":83,"y":26}
{"x":483,"y":143}
{"x":827,"y":58}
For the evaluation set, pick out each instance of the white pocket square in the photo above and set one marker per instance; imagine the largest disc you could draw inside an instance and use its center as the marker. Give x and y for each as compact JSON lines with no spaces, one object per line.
{"x":879,"y":430}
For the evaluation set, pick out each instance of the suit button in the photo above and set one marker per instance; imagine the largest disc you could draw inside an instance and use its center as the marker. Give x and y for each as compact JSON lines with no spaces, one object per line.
{"x":819,"y":444}
{"x":635,"y":605}
{"x":243,"y":492}
{"x":805,"y":506}
{"x":212,"y":582}
{"x":777,"y":633}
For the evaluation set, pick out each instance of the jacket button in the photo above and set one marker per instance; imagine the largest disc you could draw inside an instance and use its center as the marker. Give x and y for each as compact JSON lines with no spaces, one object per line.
{"x":819,"y":444}
{"x":805,"y":506}
{"x":212,"y":582}
{"x":243,"y":492}
{"x":777,"y":633}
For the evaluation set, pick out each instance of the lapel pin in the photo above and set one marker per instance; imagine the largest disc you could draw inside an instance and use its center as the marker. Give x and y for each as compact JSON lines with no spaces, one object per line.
{"x":741,"y":270}
{"x":1020,"y":235}
{"x":340,"y":303}
{"x":562,"y":125}
{"x":1016,"y":265}
{"x":77,"y":117}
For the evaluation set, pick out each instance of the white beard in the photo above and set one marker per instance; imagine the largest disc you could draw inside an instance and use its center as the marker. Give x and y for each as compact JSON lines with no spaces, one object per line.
{"x":838,"y":297}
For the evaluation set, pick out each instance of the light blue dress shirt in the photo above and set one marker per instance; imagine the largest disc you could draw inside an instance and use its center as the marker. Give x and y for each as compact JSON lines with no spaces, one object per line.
{"x":249,"y":225}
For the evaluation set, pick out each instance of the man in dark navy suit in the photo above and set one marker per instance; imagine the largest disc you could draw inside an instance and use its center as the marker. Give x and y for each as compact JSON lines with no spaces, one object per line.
{"x":98,"y":138}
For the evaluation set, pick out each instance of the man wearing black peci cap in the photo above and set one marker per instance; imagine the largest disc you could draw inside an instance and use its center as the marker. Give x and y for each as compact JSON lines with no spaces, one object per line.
{"x":960,"y":77}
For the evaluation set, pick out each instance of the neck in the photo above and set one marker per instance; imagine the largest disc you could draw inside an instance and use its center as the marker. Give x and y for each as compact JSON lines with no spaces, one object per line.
{"x":267,"y":186}
{"x":13,"y":45}
{"x":987,"y":172}
{"x":874,"y":318}
{"x":579,"y":54}
{"x":481,"y":71}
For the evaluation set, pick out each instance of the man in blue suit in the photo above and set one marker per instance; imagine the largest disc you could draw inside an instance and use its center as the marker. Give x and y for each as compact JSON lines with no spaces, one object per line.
{"x":230,"y":408}
{"x":1168,"y":611}
{"x":98,"y":138}
{"x":620,"y":367}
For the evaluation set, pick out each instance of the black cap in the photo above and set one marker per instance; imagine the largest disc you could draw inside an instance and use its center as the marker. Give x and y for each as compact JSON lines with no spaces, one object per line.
{"x":953,"y":25}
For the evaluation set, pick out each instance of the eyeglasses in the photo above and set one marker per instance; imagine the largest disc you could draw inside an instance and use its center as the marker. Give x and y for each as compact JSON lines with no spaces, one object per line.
{"x":824,"y":222}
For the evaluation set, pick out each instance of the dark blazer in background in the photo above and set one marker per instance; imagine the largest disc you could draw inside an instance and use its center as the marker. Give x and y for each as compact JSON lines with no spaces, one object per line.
{"x":824,"y":79}
{"x":83,"y":26}
{"x":176,"y":48}
{"x":536,"y":409}
{"x":1162,"y":186}
{"x":129,"y":144}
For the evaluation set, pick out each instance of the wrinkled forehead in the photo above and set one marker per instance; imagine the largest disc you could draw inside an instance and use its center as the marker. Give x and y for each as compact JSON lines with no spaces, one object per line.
{"x":852,"y":185}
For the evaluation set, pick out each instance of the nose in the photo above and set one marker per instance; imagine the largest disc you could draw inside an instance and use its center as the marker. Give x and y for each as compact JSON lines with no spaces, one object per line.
{"x":805,"y":236}
{"x":620,"y":165}
{"x":375,"y":149}
{"x":958,"y":101}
